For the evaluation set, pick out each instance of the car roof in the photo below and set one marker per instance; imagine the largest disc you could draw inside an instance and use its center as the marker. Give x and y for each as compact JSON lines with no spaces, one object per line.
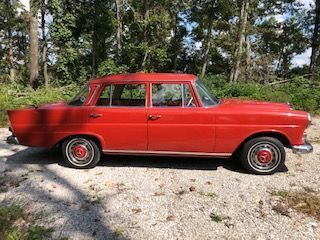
{"x":145,"y":77}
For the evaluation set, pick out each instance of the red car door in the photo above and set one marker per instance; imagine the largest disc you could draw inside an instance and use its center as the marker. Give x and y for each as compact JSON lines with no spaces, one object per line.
{"x":175,"y":121}
{"x":120,"y":116}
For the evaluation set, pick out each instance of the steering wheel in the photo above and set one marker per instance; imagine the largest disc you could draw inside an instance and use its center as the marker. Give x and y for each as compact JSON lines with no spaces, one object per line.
{"x":190,"y":101}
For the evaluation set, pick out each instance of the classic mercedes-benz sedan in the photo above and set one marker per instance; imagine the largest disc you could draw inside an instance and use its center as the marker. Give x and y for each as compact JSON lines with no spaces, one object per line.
{"x":163,"y":114}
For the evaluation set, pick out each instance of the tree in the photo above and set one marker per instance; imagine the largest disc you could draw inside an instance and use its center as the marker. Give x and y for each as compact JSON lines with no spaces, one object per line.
{"x":315,"y":41}
{"x":34,"y":43}
{"x":243,"y":18}
{"x":211,"y":19}
{"x":43,"y":10}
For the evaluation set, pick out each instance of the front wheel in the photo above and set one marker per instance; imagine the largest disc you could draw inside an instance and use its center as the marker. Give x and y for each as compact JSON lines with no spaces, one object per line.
{"x":81,"y":152}
{"x":263,"y":155}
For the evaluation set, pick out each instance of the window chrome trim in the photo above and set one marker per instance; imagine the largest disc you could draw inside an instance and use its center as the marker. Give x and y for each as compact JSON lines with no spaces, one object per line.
{"x":97,"y":87}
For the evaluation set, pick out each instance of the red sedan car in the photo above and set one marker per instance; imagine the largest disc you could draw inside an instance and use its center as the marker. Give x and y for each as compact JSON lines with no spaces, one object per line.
{"x":163,"y":114}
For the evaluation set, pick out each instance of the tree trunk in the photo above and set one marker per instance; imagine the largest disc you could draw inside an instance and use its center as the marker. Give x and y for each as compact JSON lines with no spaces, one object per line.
{"x":146,"y":10}
{"x":175,"y":43}
{"x":315,"y":41}
{"x":207,"y":48}
{"x":10,"y":56}
{"x":238,"y":52}
{"x":94,"y":41}
{"x":119,"y":27}
{"x":10,"y":42}
{"x":248,"y":57}
{"x":44,"y":45}
{"x":34,"y":56}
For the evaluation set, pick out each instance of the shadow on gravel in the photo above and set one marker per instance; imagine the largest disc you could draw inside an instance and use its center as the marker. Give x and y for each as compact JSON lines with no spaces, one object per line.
{"x":81,"y":214}
{"x":45,"y":156}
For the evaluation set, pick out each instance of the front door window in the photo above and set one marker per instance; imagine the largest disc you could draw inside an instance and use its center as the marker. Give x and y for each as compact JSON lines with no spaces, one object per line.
{"x":172,"y":95}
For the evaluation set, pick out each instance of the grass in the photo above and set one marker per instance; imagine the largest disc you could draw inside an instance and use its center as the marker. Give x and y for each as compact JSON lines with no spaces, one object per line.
{"x":306,"y":201}
{"x":209,"y":194}
{"x":280,"y":193}
{"x":16,"y":224}
{"x":119,"y":231}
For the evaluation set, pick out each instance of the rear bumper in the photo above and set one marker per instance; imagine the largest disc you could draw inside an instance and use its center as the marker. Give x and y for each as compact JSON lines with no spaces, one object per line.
{"x":12,"y":139}
{"x":305,"y":148}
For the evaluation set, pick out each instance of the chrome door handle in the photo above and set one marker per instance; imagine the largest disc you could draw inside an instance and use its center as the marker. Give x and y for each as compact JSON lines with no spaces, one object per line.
{"x":154,"y":117}
{"x":95,"y":115}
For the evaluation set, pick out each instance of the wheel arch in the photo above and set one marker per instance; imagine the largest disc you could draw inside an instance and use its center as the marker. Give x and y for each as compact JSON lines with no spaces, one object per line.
{"x":96,"y":138}
{"x":275,"y":134}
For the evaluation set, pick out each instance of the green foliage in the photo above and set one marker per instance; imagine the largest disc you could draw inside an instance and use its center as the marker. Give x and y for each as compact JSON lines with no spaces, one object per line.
{"x":9,"y":230}
{"x":8,"y":215}
{"x":38,"y":233}
{"x":108,"y":67}
{"x":16,"y":96}
{"x":301,"y":92}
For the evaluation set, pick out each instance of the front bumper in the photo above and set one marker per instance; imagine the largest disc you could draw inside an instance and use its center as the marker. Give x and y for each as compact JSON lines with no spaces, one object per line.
{"x":305,"y":148}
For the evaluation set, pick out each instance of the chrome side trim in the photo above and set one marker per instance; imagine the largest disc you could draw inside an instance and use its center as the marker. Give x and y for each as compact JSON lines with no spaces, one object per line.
{"x":305,"y":148}
{"x":166,"y":153}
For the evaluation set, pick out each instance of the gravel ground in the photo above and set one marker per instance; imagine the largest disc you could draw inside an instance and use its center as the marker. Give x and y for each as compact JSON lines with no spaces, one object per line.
{"x":157,"y":197}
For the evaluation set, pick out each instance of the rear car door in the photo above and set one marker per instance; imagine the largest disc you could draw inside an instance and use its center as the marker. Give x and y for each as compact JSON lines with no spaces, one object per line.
{"x":176,"y":123}
{"x":120,"y":116}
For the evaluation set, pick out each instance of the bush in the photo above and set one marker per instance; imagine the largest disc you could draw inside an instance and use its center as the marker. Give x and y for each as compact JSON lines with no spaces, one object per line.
{"x":301,"y":92}
{"x":14,"y":96}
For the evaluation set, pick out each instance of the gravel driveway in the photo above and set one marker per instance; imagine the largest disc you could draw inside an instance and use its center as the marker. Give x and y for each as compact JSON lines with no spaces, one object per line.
{"x":159,"y":198}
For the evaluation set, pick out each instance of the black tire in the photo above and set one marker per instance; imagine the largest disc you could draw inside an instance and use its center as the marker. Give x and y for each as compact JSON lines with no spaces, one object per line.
{"x":81,"y":152}
{"x":263,"y":155}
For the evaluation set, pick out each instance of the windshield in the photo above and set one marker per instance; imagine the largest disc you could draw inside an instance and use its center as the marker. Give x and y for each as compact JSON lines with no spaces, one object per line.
{"x":206,"y":98}
{"x":81,"y":97}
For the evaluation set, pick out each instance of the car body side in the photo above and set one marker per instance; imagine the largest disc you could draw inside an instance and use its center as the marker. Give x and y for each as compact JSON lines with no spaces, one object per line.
{"x":219,"y":129}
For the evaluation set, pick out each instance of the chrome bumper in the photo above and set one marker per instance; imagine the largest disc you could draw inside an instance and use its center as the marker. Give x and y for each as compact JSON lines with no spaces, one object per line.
{"x":12,"y":140}
{"x":305,"y":148}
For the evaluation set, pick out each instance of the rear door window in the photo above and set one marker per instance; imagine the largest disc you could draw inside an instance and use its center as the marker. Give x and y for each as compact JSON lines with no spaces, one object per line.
{"x":123,"y":95}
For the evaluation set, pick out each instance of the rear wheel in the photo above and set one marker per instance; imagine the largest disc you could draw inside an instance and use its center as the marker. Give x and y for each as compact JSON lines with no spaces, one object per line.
{"x":263,"y":155}
{"x":81,"y":152}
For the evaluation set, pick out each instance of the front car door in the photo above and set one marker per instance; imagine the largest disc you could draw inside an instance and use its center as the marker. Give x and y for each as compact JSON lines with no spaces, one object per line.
{"x":176,"y":122}
{"x":120,"y":116}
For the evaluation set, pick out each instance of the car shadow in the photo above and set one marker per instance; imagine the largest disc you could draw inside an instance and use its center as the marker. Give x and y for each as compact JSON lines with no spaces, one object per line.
{"x":51,"y":156}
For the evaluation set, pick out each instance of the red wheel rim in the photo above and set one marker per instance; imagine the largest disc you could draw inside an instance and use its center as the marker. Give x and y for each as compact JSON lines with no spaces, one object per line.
{"x":264,"y":156}
{"x":80,"y":151}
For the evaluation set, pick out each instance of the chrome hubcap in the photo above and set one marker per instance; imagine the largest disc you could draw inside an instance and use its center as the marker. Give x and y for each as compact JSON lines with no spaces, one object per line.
{"x":80,"y":152}
{"x":264,"y":156}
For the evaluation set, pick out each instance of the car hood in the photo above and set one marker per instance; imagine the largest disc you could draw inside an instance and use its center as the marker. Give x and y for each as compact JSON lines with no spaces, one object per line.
{"x":252,"y":104}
